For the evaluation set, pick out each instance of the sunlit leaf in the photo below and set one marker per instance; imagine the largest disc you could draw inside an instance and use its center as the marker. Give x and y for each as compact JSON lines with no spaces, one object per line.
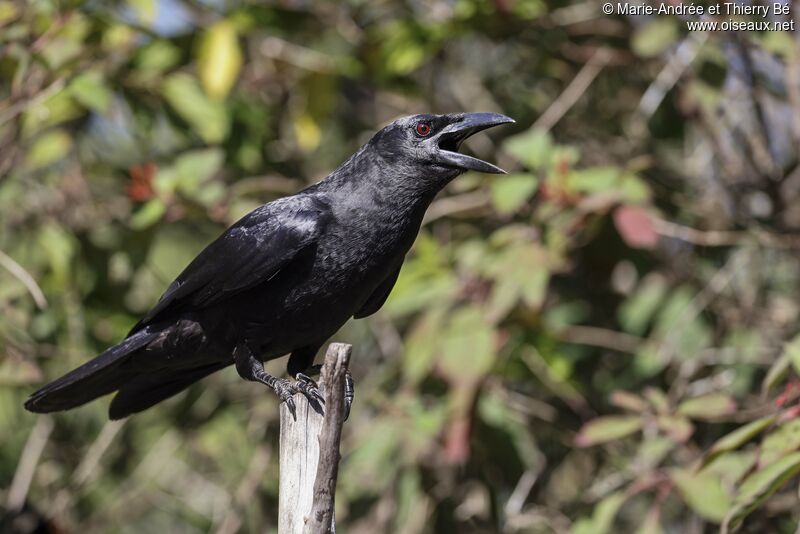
{"x":738,"y":437}
{"x":7,"y":11}
{"x":607,"y":428}
{"x":90,"y":90}
{"x":48,"y":149}
{"x":207,"y":117}
{"x":602,"y":517}
{"x":792,"y":350}
{"x":757,"y":487}
{"x":637,"y":311}
{"x":219,"y":59}
{"x":467,"y":346}
{"x":711,"y":406}
{"x":307,"y":132}
{"x":422,"y":345}
{"x":157,"y":56}
{"x":783,"y":440}
{"x":533,"y":148}
{"x":678,"y":428}
{"x":654,"y":37}
{"x":510,"y":193}
{"x":628,"y":401}
{"x":777,"y":372}
{"x":703,"y":492}
{"x":195,"y":168}
{"x":148,"y":214}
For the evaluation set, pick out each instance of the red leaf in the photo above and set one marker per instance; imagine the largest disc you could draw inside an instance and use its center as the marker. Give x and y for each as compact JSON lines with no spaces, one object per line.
{"x":636,"y":227}
{"x":140,"y":188}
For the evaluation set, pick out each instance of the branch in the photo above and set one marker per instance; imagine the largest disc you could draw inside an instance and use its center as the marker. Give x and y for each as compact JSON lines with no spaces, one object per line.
{"x":22,"y":275}
{"x":309,"y":453}
{"x":579,"y":84}
{"x":31,"y":452}
{"x":333,"y":375}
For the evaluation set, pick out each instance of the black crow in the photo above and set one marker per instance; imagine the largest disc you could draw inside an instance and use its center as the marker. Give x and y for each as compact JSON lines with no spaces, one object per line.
{"x":285,"y":277}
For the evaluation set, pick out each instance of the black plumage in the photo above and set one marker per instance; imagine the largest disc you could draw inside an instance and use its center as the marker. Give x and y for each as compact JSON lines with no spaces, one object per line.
{"x":285,"y":277}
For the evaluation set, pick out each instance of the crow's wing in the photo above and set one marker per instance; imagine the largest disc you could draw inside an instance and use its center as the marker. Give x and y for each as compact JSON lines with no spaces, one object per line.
{"x":379,"y":296}
{"x":249,"y":253}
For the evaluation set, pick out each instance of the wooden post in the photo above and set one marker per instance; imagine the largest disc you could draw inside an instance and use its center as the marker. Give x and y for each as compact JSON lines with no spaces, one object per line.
{"x":309,"y":453}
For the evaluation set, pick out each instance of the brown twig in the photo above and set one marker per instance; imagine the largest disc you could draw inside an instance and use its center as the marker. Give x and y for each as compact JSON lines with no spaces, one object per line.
{"x":724,"y":238}
{"x":15,"y":109}
{"x":600,"y":337}
{"x":22,"y":275}
{"x":31,"y":453}
{"x":337,"y":361}
{"x":570,"y":95}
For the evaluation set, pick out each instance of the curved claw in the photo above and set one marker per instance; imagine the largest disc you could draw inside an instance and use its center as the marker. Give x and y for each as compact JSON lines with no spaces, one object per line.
{"x":349,"y":393}
{"x":309,"y":388}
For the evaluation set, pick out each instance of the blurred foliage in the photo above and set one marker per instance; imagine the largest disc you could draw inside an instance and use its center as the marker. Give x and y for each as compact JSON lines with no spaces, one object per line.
{"x":602,"y":341}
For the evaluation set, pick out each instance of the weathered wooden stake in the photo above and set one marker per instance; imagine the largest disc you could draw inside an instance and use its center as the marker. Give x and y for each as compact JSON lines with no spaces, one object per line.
{"x":309,"y":453}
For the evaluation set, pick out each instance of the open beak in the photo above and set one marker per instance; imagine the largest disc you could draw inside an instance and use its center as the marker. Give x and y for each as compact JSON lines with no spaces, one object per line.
{"x":463,"y":126}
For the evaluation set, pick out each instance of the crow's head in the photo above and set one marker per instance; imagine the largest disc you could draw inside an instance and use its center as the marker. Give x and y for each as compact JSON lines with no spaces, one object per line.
{"x":429,"y":143}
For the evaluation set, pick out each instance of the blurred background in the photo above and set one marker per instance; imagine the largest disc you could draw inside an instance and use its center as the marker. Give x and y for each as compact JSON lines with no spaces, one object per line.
{"x":601,"y":341}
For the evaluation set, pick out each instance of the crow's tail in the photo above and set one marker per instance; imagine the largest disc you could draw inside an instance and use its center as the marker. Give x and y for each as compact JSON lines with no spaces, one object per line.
{"x":93,"y":379}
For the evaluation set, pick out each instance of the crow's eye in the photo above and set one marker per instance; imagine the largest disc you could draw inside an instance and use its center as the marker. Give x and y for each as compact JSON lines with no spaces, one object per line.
{"x":423,"y":129}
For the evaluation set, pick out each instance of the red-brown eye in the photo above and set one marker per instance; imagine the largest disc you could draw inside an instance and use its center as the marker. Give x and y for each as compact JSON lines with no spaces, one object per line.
{"x":423,"y":129}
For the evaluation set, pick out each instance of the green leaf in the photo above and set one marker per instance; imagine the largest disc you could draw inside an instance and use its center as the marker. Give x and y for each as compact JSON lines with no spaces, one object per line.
{"x":208,"y":117}
{"x":703,"y":492}
{"x":759,"y":486}
{"x":678,"y":428}
{"x":195,"y":168}
{"x":60,"y":246}
{"x":783,"y":440}
{"x":90,"y":90}
{"x":602,"y":517}
{"x":7,"y":11}
{"x":148,"y":214}
{"x":777,"y":372}
{"x":172,"y":248}
{"x":683,"y":334}
{"x":595,"y":180}
{"x":375,"y":459}
{"x":510,"y":193}
{"x":657,"y":399}
{"x":421,"y":347}
{"x":157,"y":56}
{"x":655,"y":37}
{"x":520,"y":270}
{"x":467,"y":346}
{"x":533,"y":148}
{"x":792,"y":350}
{"x":607,"y":428}
{"x":628,"y":401}
{"x":637,"y":311}
{"x":634,"y":190}
{"x":219,"y":59}
{"x":48,"y":149}
{"x":711,"y":406}
{"x":737,"y":438}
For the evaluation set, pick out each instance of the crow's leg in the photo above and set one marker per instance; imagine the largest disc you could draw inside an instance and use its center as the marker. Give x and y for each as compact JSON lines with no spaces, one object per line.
{"x":307,"y":372}
{"x":251,"y":368}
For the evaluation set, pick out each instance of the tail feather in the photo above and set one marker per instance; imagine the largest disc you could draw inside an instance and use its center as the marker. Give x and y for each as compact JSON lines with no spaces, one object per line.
{"x":145,"y":390}
{"x":95,"y":378}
